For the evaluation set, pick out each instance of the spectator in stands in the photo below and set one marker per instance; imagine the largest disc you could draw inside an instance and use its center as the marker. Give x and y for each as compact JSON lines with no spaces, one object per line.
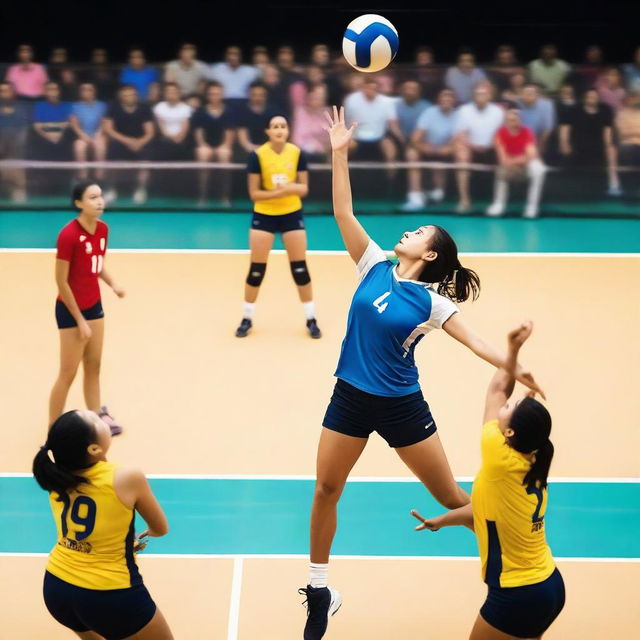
{"x":278,"y":94}
{"x":409,"y":107}
{"x":254,"y":118}
{"x":194,"y":100}
{"x":27,"y":77}
{"x":426,"y":72}
{"x":610,"y":88}
{"x":586,"y":75}
{"x":632,"y":73}
{"x":235,"y":77}
{"x":373,"y":113}
{"x":86,"y":123}
{"x":432,"y":140}
{"x":60,"y":70}
{"x":628,"y":126}
{"x":309,"y":125}
{"x":517,"y":158}
{"x":51,"y":140}
{"x":15,"y":121}
{"x":464,"y":77}
{"x":513,"y":92}
{"x":586,"y":137}
{"x":548,"y":71}
{"x":538,"y":114}
{"x":101,"y":74}
{"x":214,"y":133}
{"x":129,"y":126}
{"x":173,"y":118}
{"x":138,"y":74}
{"x":320,"y":56}
{"x":260,"y":58}
{"x":189,"y":73}
{"x":505,"y":64}
{"x":565,"y":101}
{"x":286,"y":63}
{"x":476,"y":127}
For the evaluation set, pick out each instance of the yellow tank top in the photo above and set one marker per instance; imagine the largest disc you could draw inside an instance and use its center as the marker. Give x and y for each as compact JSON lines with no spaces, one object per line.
{"x":95,"y":534}
{"x":276,"y":170}
{"x":508,"y":518}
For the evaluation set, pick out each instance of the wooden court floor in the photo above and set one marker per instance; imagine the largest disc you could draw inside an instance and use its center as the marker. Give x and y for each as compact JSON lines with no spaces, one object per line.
{"x":195,"y":400}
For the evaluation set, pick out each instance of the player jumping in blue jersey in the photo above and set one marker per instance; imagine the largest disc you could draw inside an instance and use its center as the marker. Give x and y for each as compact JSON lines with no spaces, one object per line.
{"x":377,"y":389}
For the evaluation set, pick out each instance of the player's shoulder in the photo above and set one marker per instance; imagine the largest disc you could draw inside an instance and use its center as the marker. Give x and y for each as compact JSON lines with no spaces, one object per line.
{"x":72,"y":228}
{"x":102,"y":227}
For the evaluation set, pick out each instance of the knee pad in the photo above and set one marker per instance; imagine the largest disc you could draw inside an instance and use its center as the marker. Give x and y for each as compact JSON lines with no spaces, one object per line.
{"x":256,"y":273}
{"x":300,"y":272}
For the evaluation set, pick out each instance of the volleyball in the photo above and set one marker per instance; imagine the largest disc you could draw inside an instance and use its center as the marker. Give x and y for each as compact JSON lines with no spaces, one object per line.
{"x":370,"y":43}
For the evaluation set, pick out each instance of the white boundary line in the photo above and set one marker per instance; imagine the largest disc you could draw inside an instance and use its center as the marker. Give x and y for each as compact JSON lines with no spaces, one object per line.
{"x":234,"y":604}
{"x":355,"y":479}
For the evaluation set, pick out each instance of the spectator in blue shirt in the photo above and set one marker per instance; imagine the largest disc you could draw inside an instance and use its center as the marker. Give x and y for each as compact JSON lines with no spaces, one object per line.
{"x":432,"y":140}
{"x":15,"y":118}
{"x":51,"y":125}
{"x":463,"y":78}
{"x":144,"y":78}
{"x":632,"y":73}
{"x":409,"y":108}
{"x":86,"y":123}
{"x":235,"y":77}
{"x":537,"y":113}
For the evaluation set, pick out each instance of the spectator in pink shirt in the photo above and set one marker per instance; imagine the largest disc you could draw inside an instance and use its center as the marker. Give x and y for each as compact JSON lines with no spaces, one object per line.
{"x":610,"y":88}
{"x":27,"y":77}
{"x":309,"y":125}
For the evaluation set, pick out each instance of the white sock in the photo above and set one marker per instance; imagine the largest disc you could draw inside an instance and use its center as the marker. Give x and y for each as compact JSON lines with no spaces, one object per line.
{"x":318,"y":575}
{"x":249,"y":310}
{"x":309,"y":310}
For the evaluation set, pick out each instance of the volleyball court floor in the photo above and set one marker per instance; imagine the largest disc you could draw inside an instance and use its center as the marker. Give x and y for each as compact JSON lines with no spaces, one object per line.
{"x":228,"y":429}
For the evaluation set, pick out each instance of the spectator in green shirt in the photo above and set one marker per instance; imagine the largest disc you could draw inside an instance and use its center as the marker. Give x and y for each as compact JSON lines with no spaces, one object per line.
{"x":548,"y":70}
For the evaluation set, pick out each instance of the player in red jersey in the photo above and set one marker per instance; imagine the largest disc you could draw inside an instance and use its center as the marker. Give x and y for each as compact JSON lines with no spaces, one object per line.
{"x":81,"y":248}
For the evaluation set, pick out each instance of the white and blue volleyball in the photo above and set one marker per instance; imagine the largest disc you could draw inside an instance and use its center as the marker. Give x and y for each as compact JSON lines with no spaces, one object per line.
{"x":370,"y":43}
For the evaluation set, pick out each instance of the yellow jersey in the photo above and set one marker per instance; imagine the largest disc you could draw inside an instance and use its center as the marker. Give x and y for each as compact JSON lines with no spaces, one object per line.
{"x":276,"y":170}
{"x":508,"y":518}
{"x":95,"y":534}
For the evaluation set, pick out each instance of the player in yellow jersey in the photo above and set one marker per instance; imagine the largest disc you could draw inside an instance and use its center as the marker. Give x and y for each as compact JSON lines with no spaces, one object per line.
{"x":92,"y":584}
{"x":508,"y":505}
{"x":278,"y":180}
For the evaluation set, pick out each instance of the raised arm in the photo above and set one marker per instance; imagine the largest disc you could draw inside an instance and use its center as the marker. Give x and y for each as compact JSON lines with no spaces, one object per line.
{"x":353,"y":234}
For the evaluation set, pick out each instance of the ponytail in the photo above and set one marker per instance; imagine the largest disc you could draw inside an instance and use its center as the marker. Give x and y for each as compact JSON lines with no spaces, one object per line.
{"x":536,"y":477}
{"x":51,"y":476}
{"x":460,"y":284}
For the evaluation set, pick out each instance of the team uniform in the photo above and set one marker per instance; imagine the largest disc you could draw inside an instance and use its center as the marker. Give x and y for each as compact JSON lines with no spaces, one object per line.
{"x":277,"y":215}
{"x":92,"y":581}
{"x":85,"y":254}
{"x":526,"y":590}
{"x":377,"y":387}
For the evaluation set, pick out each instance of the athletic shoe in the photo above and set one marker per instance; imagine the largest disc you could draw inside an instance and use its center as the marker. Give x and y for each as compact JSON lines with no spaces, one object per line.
{"x":530,"y":212}
{"x":615,"y":191}
{"x":495,"y":210}
{"x":436,"y":195}
{"x":412,"y":206}
{"x":314,"y":330}
{"x":116,"y":429}
{"x":244,"y":328}
{"x":140,"y":195}
{"x":322,"y":603}
{"x":463,"y":208}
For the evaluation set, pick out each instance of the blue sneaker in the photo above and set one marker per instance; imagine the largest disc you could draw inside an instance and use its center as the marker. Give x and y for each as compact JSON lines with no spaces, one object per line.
{"x":322,"y":603}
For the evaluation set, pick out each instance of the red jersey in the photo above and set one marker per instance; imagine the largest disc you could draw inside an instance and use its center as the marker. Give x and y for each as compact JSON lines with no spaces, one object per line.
{"x":515,"y":144}
{"x":85,"y":254}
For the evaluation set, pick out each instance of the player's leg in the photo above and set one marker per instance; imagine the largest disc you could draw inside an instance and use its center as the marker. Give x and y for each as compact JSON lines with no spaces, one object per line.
{"x":428,"y":461}
{"x":482,"y":630}
{"x":89,"y":635}
{"x":91,"y":360}
{"x":71,"y":351}
{"x":157,"y":629}
{"x":295,"y":242}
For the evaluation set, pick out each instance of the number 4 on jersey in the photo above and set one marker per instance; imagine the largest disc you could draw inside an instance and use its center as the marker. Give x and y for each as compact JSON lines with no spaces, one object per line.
{"x":379,"y":305}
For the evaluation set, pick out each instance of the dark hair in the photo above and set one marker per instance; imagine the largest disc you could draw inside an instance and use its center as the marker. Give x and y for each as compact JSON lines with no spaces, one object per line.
{"x":454,"y":281}
{"x":531,"y":424}
{"x":258,"y":85}
{"x":213,"y":84}
{"x":78,"y":191}
{"x":68,"y":439}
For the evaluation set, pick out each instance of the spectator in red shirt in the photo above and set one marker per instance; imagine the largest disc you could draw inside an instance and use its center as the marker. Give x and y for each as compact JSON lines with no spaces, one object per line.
{"x":517,"y":158}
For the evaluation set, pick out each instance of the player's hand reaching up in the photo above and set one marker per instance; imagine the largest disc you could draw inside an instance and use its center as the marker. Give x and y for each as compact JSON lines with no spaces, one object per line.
{"x":338,"y":133}
{"x":518,"y":336}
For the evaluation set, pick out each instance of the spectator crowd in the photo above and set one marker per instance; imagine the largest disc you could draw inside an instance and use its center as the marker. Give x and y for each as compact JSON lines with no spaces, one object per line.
{"x":509,"y":115}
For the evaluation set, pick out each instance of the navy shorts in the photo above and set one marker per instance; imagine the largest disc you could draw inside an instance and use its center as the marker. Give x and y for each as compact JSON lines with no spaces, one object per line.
{"x":278,"y":224}
{"x":401,"y":421}
{"x":65,"y":320}
{"x":525,"y":612}
{"x":115,"y":614}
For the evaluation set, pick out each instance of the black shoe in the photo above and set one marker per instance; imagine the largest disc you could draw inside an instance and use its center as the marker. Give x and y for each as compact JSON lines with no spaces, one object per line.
{"x":322,"y":603}
{"x":314,"y":330}
{"x":244,"y":328}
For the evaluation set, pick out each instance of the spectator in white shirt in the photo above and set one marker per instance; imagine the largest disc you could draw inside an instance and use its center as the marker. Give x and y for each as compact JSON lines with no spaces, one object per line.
{"x":235,"y":77}
{"x":172,"y":117}
{"x":476,"y":128}
{"x":187,"y":72}
{"x":464,"y":76}
{"x":374,"y":113}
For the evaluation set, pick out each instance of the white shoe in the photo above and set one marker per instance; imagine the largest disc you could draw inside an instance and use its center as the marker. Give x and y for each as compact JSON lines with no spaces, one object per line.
{"x":412,"y":206}
{"x":140,"y":195}
{"x":495,"y":210}
{"x":437,"y":195}
{"x":462,"y":208}
{"x":19,"y":196}
{"x":530,"y":212}
{"x":110,"y":195}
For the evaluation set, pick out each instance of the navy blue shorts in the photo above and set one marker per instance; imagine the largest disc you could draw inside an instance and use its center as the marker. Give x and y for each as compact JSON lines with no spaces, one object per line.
{"x":65,"y":320}
{"x":115,"y":614}
{"x":401,"y":421}
{"x":525,"y":612}
{"x":278,"y":224}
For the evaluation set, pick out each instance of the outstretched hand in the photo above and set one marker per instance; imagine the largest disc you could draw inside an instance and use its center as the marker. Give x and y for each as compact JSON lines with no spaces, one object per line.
{"x":518,"y":336}
{"x":339,"y":135}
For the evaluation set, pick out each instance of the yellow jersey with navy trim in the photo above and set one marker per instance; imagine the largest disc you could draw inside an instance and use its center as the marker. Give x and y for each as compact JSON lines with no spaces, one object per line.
{"x":95,"y":534}
{"x":509,"y":518}
{"x":276,"y":170}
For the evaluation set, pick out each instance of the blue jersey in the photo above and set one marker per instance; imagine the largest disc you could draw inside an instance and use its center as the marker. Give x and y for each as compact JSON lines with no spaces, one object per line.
{"x":389,"y":315}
